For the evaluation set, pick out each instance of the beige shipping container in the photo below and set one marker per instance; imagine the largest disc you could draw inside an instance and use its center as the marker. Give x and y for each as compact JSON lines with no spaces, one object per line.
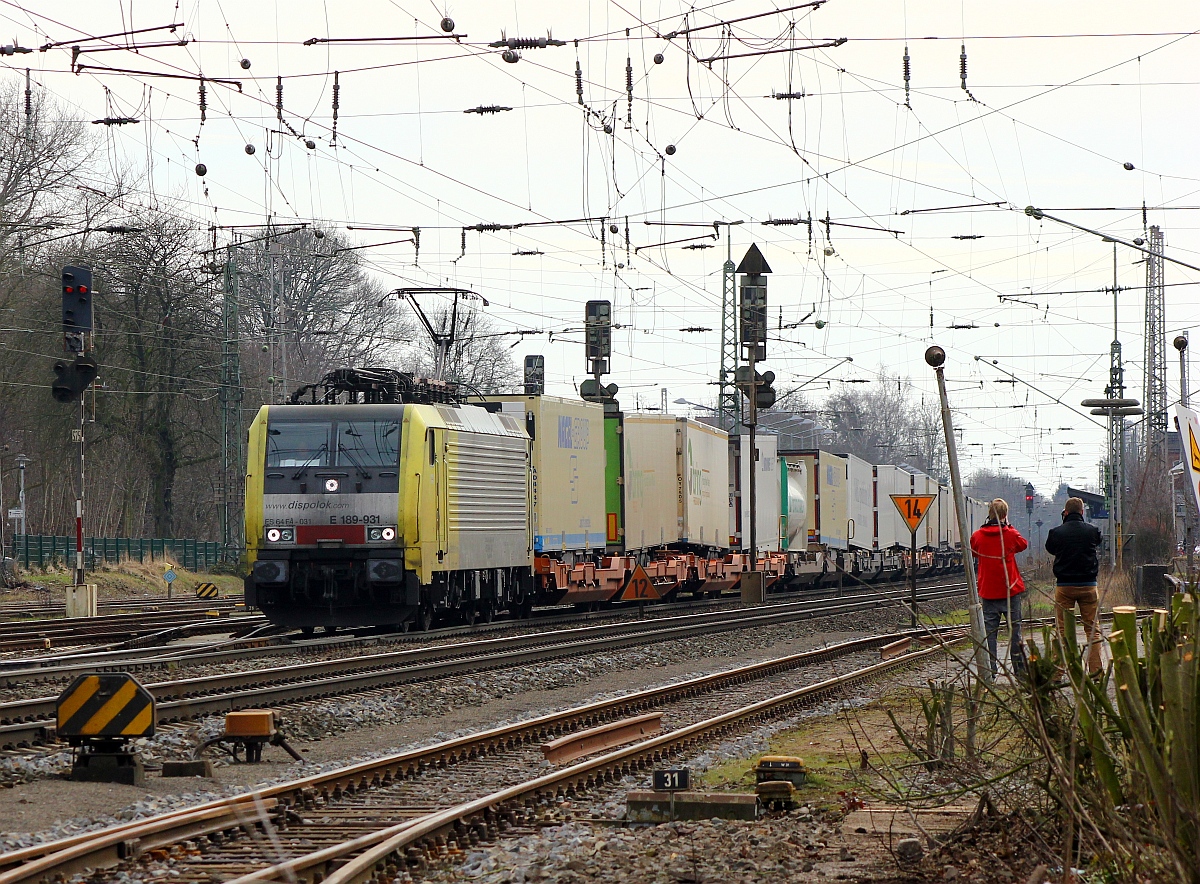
{"x":704,"y":473}
{"x":567,"y":471}
{"x":652,"y":489}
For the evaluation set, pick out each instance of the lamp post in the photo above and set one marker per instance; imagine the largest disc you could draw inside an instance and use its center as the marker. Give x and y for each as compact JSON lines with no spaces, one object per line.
{"x":935,"y":357}
{"x":1189,"y":518}
{"x":22,"y":460}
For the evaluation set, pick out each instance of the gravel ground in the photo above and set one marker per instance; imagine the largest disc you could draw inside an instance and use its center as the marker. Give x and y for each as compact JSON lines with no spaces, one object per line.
{"x":37,"y":685}
{"x":587,"y":840}
{"x":338,"y":731}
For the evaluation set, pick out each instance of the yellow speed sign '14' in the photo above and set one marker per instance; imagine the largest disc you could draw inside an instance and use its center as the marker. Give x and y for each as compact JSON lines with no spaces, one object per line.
{"x":913,"y":507}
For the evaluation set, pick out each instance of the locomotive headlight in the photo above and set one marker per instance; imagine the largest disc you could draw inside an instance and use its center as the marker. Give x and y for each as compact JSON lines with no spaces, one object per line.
{"x":388,"y":534}
{"x":331,"y":485}
{"x":274,"y":535}
{"x":277,"y":535}
{"x":381,"y":534}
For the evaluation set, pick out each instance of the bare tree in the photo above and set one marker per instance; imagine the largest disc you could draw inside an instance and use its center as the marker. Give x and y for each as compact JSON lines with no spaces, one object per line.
{"x":480,"y":357}
{"x":306,"y":300}
{"x":884,"y":425}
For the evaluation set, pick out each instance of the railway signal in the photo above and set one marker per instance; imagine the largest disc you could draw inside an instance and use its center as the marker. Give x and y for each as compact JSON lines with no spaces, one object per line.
{"x":535,"y":375}
{"x":71,"y":379}
{"x":77,"y":316}
{"x":70,"y":382}
{"x":753,"y":313}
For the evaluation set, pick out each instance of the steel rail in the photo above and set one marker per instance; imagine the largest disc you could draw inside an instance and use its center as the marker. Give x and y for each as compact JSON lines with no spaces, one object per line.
{"x":391,"y":845}
{"x":95,"y":849}
{"x":42,"y":667}
{"x":183,"y":699}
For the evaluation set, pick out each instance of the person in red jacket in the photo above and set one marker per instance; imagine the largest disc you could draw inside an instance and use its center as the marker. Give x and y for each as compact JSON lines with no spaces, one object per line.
{"x":996,"y":545}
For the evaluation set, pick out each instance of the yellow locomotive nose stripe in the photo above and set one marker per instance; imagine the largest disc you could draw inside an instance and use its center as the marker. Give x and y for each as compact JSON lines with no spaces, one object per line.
{"x":141,"y":722}
{"x":78,"y":697}
{"x":109,"y":710}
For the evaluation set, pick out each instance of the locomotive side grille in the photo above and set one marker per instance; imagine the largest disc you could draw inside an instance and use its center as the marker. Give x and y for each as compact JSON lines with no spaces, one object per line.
{"x":486,"y":488}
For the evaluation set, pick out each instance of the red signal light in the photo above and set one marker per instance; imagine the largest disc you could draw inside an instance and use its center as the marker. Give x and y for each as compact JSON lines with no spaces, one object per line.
{"x":83,"y":289}
{"x":68,"y":289}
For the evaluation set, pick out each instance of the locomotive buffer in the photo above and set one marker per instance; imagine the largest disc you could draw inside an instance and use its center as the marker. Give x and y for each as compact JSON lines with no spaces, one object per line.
{"x":99,"y":714}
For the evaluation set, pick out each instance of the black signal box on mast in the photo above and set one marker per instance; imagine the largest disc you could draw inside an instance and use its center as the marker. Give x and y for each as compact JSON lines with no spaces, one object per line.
{"x":598,"y":336}
{"x":535,"y":375}
{"x":753,"y":298}
{"x":76,"y":307}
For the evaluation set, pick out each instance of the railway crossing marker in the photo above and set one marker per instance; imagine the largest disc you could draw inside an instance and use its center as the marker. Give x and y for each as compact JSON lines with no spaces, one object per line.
{"x":913,"y":510}
{"x":100,"y":713}
{"x":207,"y":591}
{"x":170,"y":576}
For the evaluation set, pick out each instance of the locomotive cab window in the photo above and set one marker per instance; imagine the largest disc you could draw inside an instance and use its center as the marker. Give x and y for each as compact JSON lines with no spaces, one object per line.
{"x":368,"y":443}
{"x":298,"y":444}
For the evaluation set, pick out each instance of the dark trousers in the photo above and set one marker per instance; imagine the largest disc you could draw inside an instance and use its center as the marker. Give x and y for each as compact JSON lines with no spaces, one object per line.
{"x":993,"y":610}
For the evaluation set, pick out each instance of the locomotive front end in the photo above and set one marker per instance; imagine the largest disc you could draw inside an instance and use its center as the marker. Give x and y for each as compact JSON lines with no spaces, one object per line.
{"x":323,"y":527}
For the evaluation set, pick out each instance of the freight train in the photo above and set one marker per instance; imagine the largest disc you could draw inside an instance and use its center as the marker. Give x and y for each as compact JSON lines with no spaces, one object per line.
{"x":377,"y":499}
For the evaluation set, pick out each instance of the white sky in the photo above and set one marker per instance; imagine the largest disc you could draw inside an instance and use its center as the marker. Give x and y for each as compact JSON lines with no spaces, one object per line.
{"x":1056,"y":118}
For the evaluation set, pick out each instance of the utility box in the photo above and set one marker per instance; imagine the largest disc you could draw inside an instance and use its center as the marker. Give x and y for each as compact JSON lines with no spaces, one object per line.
{"x":1153,"y":590}
{"x":81,"y":600}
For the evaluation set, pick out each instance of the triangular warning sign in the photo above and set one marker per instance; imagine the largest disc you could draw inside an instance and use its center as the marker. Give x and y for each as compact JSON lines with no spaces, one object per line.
{"x":913,"y":507}
{"x":640,"y":587}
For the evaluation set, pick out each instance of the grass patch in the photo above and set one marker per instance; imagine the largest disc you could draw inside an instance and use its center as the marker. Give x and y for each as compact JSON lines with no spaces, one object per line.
{"x":829,"y":748}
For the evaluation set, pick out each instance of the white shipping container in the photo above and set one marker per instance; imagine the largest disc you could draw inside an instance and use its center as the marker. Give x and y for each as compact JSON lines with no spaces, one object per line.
{"x":567,"y":470}
{"x":704,"y":479}
{"x":890,"y":480}
{"x":767,"y":492}
{"x":652,"y":489}
{"x":860,"y":531}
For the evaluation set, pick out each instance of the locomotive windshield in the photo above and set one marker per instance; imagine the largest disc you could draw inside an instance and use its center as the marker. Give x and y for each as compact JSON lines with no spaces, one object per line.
{"x":351,"y":443}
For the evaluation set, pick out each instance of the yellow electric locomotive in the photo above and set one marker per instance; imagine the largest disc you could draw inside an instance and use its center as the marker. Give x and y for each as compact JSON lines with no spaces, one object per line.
{"x":373,"y":500}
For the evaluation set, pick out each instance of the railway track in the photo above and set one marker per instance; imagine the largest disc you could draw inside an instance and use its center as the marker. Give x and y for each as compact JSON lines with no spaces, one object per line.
{"x":148,"y":653}
{"x":28,"y":722}
{"x":20,"y":611}
{"x":353,"y":823}
{"x":127,"y":630}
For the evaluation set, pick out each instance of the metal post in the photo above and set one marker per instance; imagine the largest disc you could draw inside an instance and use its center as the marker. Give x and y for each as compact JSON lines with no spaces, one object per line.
{"x":79,"y":581}
{"x":1189,"y":506}
{"x":753,"y":422}
{"x":729,"y":400}
{"x":936,"y":358}
{"x":912,"y":580}
{"x":21,"y":461}
{"x":232,"y":469}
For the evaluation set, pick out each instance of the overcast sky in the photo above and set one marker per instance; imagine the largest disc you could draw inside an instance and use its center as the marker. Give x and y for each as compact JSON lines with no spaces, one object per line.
{"x":1061,"y":96}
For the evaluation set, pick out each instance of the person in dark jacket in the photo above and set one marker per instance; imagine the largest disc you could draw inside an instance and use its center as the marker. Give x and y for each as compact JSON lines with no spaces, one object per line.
{"x":1075,"y":545}
{"x":995,"y":546}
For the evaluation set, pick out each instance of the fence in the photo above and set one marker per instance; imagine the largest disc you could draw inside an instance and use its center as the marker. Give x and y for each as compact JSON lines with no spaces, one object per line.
{"x":39,"y":550}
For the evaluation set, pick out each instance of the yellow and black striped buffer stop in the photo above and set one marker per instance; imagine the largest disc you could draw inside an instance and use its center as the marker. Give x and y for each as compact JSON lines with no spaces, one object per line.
{"x":107,"y":705}
{"x":207,"y":591}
